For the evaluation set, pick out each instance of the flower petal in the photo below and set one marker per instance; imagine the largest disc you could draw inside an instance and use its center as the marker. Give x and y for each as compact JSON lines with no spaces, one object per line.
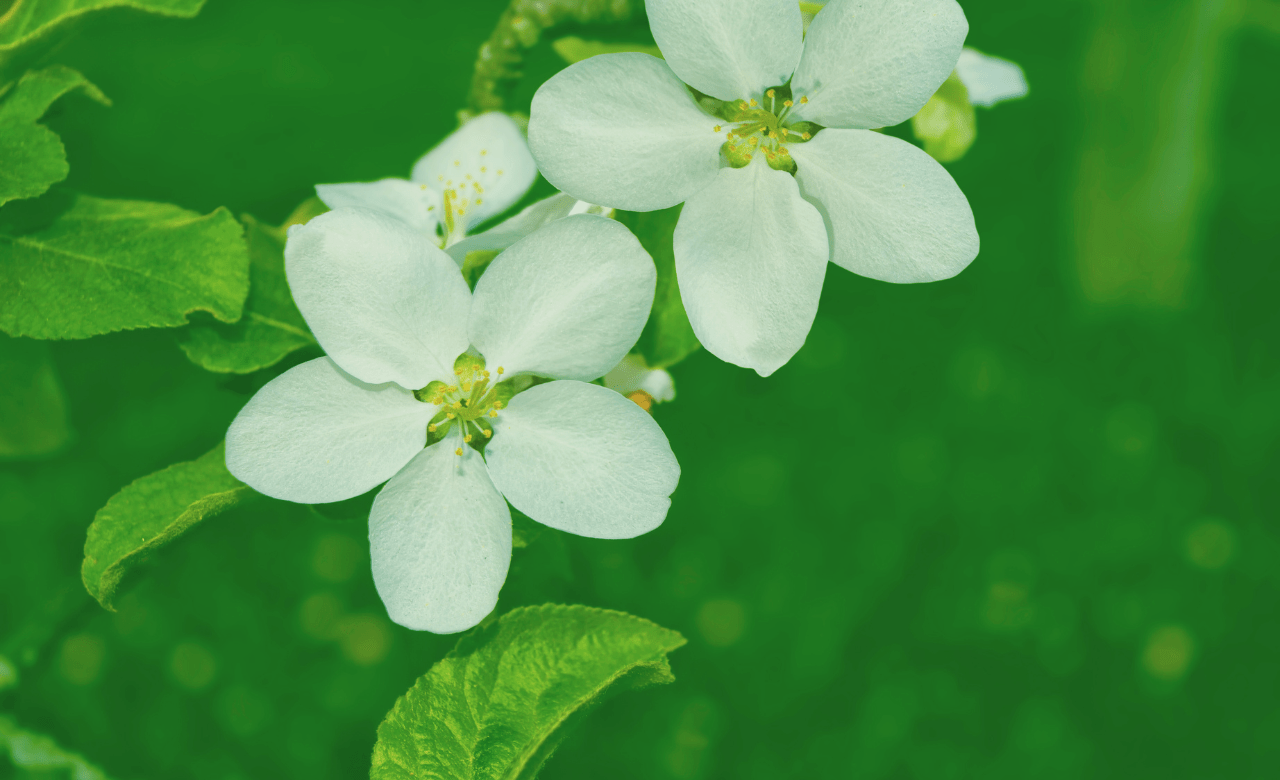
{"x":416,"y":205}
{"x":489,"y":151}
{"x":874,"y":63}
{"x":621,"y":129}
{"x":316,"y":434}
{"x":727,"y":50}
{"x":583,"y":459}
{"x":440,"y":537}
{"x":751,"y":255}
{"x":990,"y":80}
{"x":567,"y":302}
{"x":511,"y":230}
{"x":893,"y":212}
{"x":385,"y":303}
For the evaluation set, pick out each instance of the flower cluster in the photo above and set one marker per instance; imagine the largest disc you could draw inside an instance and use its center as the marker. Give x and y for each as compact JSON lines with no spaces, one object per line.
{"x":759,"y":120}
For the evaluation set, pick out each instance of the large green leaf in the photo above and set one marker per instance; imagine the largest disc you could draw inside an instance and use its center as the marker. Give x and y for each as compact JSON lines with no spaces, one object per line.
{"x":668,"y":337}
{"x":272,"y":326}
{"x":74,"y":266}
{"x":31,"y":155}
{"x":33,"y":410}
{"x":152,"y":512}
{"x":36,"y":755}
{"x":502,"y":701}
{"x":29,"y":27}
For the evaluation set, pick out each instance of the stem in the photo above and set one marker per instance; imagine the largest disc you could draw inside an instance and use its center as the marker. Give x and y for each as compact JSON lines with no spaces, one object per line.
{"x":519,"y":28}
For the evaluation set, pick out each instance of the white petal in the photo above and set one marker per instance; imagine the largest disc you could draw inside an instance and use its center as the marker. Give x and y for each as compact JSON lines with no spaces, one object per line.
{"x":489,"y":150}
{"x":567,"y":302}
{"x":725,"y":49}
{"x":875,"y":63}
{"x":583,"y":459}
{"x":511,"y":230}
{"x":894,"y":213}
{"x":385,"y":303}
{"x":751,"y":255}
{"x":633,"y":374}
{"x":416,"y":205}
{"x":621,"y":129}
{"x":440,"y":537}
{"x":990,"y":80}
{"x":315,"y":434}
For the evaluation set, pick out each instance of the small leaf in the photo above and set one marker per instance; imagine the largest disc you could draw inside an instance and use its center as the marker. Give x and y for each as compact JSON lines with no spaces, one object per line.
{"x":668,"y":337}
{"x":574,"y":49}
{"x":272,"y":326}
{"x":33,"y":410}
{"x":947,"y":124}
{"x":29,"y":27}
{"x":74,"y":266}
{"x":31,"y":155}
{"x":152,"y":512}
{"x":502,"y":701}
{"x":39,"y":756}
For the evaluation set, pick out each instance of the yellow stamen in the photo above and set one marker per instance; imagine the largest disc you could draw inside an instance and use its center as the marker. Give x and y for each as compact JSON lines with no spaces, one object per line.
{"x":771,"y":93}
{"x":431,"y":428}
{"x":458,"y":452}
{"x":487,"y":433}
{"x":788,"y":103}
{"x":803,"y":100}
{"x":492,"y":413}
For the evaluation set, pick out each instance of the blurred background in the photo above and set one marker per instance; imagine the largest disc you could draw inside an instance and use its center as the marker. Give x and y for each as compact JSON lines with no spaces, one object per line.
{"x":1022,"y":523}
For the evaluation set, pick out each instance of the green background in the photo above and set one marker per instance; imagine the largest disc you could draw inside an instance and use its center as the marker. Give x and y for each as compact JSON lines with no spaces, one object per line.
{"x":1017,"y":524}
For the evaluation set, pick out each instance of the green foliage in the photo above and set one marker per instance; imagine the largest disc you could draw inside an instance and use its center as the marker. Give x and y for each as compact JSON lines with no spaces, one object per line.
{"x":8,"y":673}
{"x":501,"y":702}
{"x":668,"y":337}
{"x":28,"y":27}
{"x":573,"y":49}
{"x":947,"y":124}
{"x":272,"y":326}
{"x":33,"y":411}
{"x":36,"y":755}
{"x":152,"y":512}
{"x":31,"y":155}
{"x":74,"y":266}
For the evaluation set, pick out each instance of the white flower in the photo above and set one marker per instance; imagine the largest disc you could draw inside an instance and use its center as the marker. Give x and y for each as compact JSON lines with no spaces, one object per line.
{"x":753,"y":241}
{"x":479,"y":171}
{"x":646,"y":386}
{"x":395,"y":317}
{"x":990,"y":80}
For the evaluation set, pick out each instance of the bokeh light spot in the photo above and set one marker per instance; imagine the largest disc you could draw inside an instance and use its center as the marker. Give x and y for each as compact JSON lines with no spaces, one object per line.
{"x":81,"y":658}
{"x":364,"y":639}
{"x":1168,"y":652}
{"x":319,"y":615}
{"x":722,"y":621}
{"x":1211,"y":544}
{"x":192,"y":666}
{"x":336,"y":557}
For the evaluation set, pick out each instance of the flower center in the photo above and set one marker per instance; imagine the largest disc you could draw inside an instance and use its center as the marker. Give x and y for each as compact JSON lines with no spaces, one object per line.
{"x":462,"y":192}
{"x":471,"y":402}
{"x":761,"y":125}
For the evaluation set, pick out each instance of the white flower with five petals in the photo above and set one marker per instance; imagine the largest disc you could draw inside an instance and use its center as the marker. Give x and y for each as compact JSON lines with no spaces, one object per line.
{"x":410,"y":389}
{"x":476,"y":173}
{"x":753,"y":241}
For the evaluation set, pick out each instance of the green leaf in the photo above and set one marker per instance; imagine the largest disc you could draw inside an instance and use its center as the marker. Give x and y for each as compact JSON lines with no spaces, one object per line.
{"x":668,"y":337}
{"x":272,"y":326}
{"x":33,"y":410}
{"x":947,"y":124}
{"x":574,"y":49}
{"x":40,"y":756}
{"x":74,"y":266}
{"x":152,"y":512}
{"x":29,"y":27}
{"x":31,"y":155}
{"x":502,"y":701}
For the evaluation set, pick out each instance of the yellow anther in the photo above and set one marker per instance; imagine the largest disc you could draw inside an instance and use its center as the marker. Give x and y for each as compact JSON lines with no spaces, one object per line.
{"x":771,"y":93}
{"x":467,"y":438}
{"x":784,"y":132}
{"x":788,"y":103}
{"x":431,"y":428}
{"x":483,"y":152}
{"x":457,"y":162}
{"x":499,"y":173}
{"x":423,"y":187}
{"x":497,"y":404}
{"x":468,"y":177}
{"x":754,"y":141}
{"x":450,"y":415}
{"x":492,"y":413}
{"x":803,"y":100}
{"x":754,"y":103}
{"x":478,"y":201}
{"x":500,"y":370}
{"x":717,"y":130}
{"x":440,"y":177}
{"x":773,"y":135}
{"x":483,"y":168}
{"x":487,"y":433}
{"x":458,"y":452}
{"x":805,"y":136}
